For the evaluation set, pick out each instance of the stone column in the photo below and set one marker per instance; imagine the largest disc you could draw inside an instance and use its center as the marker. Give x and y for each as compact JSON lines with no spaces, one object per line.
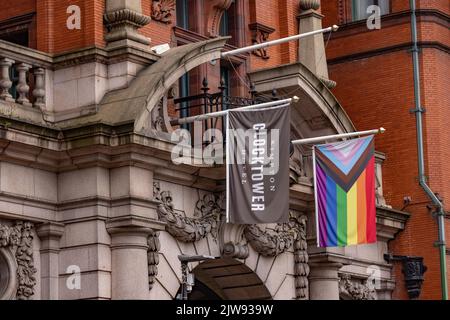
{"x":39,"y":90}
{"x":323,"y":276}
{"x":22,"y":87}
{"x":5,"y":81}
{"x":312,"y":49}
{"x":129,"y":262}
{"x":324,"y":281}
{"x":50,"y":234}
{"x":123,"y":18}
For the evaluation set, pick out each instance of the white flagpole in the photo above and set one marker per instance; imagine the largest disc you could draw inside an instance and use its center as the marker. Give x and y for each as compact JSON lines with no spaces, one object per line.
{"x":277,"y":41}
{"x":316,"y":201}
{"x":227,"y":169}
{"x":339,"y":136}
{"x":225,"y":112}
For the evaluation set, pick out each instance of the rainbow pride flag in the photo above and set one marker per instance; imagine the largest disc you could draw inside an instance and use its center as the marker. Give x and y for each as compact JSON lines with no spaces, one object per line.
{"x":344,"y":186}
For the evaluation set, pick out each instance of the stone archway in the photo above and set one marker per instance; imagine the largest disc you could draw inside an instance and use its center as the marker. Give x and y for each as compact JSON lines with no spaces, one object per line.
{"x":8,"y":279}
{"x":227,"y":279}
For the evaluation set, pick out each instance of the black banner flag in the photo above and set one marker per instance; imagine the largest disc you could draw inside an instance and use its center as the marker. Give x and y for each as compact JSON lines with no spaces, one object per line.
{"x":258,"y":165}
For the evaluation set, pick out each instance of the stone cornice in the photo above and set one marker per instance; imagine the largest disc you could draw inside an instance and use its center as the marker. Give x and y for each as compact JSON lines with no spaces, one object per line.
{"x":98,"y":145}
{"x":104,"y":55}
{"x":76,"y":57}
{"x":403,"y":46}
{"x":391,"y":19}
{"x":390,"y":222}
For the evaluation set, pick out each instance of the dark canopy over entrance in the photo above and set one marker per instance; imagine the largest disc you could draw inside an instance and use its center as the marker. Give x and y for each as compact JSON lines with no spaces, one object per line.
{"x":227,"y":279}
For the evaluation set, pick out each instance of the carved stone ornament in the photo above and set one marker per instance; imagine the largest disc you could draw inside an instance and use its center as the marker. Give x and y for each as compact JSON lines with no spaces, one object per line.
{"x":271,"y":243}
{"x":355,"y":290}
{"x":162,"y":10}
{"x":209,"y":219}
{"x":19,"y":239}
{"x":186,"y":229}
{"x":260,"y":34}
{"x":160,"y":117}
{"x":298,"y":170}
{"x":123,"y":24}
{"x":215,"y":10}
{"x":232,"y":241}
{"x":153,"y":257}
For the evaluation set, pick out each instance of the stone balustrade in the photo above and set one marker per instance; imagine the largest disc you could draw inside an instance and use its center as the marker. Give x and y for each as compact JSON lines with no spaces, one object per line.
{"x":23,"y":75}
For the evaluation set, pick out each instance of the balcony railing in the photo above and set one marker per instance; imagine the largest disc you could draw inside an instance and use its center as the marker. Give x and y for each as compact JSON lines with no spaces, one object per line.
{"x":207,"y":102}
{"x":23,"y":75}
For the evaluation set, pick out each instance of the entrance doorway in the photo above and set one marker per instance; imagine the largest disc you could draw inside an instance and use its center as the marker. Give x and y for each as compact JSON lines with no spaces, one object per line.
{"x":227,"y":279}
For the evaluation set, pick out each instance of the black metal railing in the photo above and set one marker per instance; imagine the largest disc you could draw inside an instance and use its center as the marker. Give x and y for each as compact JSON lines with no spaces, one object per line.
{"x":207,"y":102}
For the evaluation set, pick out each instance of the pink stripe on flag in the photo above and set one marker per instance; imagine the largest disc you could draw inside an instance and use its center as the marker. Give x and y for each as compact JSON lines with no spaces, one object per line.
{"x":346,"y":158}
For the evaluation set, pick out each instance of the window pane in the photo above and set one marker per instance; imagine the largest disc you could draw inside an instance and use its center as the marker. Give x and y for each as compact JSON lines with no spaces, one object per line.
{"x":182,"y":8}
{"x":184,"y":92}
{"x":384,"y":6}
{"x":224,"y":23}
{"x":359,"y":8}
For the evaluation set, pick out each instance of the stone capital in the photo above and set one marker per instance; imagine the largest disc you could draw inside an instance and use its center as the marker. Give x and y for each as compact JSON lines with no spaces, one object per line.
{"x":123,"y":18}
{"x":50,"y":230}
{"x":133,"y":224}
{"x":310,"y":14}
{"x":50,"y":233}
{"x":131,"y":231}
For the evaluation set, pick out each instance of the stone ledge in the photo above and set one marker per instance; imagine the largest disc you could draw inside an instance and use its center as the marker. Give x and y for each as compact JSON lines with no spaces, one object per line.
{"x":131,"y":223}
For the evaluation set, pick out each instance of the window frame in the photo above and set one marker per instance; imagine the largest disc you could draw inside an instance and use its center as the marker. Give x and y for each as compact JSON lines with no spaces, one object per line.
{"x":182,"y":14}
{"x":353,"y":13}
{"x":24,"y":25}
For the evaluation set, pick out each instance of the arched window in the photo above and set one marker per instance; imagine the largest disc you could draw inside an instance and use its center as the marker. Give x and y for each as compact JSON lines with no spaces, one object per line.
{"x":4,"y":275}
{"x":224,"y":29}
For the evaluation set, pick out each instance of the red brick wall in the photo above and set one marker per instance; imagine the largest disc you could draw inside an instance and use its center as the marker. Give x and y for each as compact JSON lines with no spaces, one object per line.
{"x":158,"y":32}
{"x":19,"y":8}
{"x":53,"y":34}
{"x":377,"y":90}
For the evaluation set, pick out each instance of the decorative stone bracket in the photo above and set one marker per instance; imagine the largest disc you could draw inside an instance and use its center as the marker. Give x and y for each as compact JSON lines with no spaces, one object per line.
{"x":19,"y":239}
{"x":186,"y":229}
{"x":351,"y":289}
{"x":260,"y":34}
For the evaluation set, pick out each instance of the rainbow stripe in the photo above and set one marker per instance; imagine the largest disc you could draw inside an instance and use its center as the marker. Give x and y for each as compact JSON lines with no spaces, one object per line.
{"x":345,"y":193}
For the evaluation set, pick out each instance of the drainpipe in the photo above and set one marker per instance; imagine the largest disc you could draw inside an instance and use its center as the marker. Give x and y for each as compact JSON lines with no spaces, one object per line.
{"x":422,"y":178}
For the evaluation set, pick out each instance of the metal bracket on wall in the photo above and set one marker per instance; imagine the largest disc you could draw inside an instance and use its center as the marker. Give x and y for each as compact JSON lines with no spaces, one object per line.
{"x":421,"y":110}
{"x":413,"y":271}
